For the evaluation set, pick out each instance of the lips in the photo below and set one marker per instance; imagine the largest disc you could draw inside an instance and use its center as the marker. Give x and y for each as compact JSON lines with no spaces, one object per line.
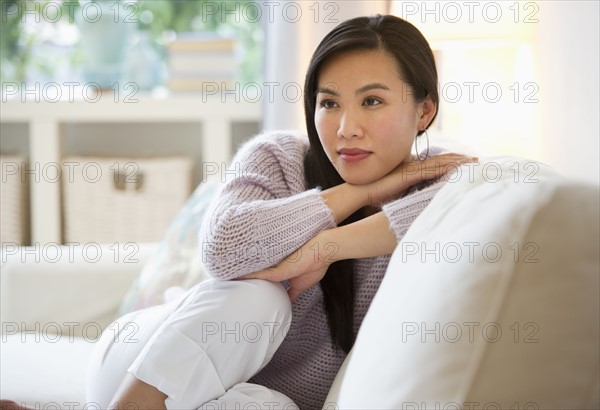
{"x":353,"y":154}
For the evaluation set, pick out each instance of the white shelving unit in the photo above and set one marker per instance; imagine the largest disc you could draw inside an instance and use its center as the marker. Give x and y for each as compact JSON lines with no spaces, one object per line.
{"x":45,"y":120}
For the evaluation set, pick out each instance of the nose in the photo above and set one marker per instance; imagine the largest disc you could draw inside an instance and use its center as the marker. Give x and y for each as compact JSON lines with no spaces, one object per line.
{"x":350,"y":125}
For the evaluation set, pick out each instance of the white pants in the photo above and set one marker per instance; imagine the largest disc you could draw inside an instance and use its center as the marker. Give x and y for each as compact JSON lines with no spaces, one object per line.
{"x":199,"y":349}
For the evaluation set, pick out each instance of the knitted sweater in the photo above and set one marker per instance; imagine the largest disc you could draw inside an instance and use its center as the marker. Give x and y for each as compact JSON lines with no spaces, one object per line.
{"x":263,"y":213}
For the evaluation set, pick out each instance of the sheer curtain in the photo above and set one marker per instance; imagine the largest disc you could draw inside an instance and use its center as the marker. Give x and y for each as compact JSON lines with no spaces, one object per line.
{"x":293,"y":30}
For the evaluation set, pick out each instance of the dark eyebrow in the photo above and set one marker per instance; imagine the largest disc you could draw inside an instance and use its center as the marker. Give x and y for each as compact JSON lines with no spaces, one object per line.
{"x":370,"y":87}
{"x":328,"y":91}
{"x":361,"y":90}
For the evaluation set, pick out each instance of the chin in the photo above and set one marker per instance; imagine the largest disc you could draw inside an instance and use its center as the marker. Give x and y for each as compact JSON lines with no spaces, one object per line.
{"x":360,"y":179}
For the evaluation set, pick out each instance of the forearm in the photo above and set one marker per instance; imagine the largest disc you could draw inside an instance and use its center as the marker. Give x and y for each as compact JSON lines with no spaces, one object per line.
{"x":371,"y":236}
{"x":377,"y":234}
{"x":248,"y":237}
{"x":345,"y":199}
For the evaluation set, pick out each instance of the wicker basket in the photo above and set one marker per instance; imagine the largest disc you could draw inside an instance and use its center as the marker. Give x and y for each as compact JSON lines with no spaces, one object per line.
{"x":109,"y":200}
{"x":14,"y":202}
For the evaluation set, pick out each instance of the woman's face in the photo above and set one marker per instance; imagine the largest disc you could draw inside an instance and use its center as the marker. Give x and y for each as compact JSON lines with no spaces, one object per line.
{"x":366,"y":116}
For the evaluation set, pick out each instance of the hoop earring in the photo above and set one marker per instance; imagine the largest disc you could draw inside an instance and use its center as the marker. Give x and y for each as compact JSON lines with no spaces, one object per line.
{"x":426,"y":152}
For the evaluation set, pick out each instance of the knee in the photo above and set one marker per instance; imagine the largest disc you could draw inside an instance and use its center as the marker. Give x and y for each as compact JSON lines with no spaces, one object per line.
{"x":245,"y":302}
{"x":262,"y":297}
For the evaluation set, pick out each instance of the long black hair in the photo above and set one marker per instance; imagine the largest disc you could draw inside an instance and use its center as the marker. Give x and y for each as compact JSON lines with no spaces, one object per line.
{"x":416,"y":66}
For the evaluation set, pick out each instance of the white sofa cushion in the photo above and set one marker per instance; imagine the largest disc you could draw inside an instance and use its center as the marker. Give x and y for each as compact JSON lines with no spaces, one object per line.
{"x":45,"y":371}
{"x":481,"y":331}
{"x":53,"y":288}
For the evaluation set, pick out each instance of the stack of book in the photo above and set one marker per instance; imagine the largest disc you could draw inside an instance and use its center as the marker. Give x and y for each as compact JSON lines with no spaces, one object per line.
{"x":201,"y":62}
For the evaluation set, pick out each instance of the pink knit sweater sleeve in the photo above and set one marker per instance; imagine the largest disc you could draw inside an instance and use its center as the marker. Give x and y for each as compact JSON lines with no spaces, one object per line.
{"x":402,"y":212}
{"x":263,"y":212}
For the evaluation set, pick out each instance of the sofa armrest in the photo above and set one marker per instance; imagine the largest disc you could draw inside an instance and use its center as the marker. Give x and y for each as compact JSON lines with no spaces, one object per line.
{"x":66,"y":289}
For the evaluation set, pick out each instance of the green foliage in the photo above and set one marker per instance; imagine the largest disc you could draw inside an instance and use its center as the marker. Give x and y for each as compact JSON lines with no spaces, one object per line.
{"x":162,"y":18}
{"x":14,"y":49}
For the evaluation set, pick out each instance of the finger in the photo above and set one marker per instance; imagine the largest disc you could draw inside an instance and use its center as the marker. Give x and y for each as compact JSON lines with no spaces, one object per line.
{"x":453,"y":162}
{"x":461,"y":159}
{"x":438,"y":170}
{"x":451,"y":155}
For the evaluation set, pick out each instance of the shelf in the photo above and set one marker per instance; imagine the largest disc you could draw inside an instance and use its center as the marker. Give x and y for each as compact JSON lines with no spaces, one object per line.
{"x":45,"y":120}
{"x":146,"y":108}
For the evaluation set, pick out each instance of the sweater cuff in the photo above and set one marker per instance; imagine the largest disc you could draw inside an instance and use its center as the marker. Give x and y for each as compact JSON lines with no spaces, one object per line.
{"x":402,"y":212}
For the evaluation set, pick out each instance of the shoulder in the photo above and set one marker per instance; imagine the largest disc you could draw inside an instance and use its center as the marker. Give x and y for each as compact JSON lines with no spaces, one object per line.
{"x":282,"y":146}
{"x":287,"y":141}
{"x":277,"y":154}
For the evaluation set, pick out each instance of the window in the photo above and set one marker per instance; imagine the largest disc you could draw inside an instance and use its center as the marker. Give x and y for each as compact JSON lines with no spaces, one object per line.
{"x":46,"y":41}
{"x":488,"y":88}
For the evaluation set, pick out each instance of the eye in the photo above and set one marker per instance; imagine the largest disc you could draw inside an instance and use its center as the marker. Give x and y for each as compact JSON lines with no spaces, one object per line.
{"x":371,"y":101}
{"x":328,"y":104}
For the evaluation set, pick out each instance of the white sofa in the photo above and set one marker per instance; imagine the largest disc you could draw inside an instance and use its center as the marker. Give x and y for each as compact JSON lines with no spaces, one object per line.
{"x":517,"y":329}
{"x":51,"y":310}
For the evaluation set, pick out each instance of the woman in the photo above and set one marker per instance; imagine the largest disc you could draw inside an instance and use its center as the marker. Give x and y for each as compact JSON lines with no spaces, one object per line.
{"x":326,"y":211}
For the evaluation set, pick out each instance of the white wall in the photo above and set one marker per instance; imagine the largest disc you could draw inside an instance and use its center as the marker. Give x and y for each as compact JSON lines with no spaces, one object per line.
{"x":549,"y":49}
{"x":568,"y":44}
{"x":289,"y":45}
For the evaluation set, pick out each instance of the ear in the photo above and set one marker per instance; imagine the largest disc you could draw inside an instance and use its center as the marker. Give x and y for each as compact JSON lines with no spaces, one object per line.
{"x":426,"y":111}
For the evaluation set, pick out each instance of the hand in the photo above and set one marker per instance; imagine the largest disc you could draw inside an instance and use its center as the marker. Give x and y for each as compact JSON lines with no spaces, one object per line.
{"x":304,"y":268}
{"x":407,"y":174}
